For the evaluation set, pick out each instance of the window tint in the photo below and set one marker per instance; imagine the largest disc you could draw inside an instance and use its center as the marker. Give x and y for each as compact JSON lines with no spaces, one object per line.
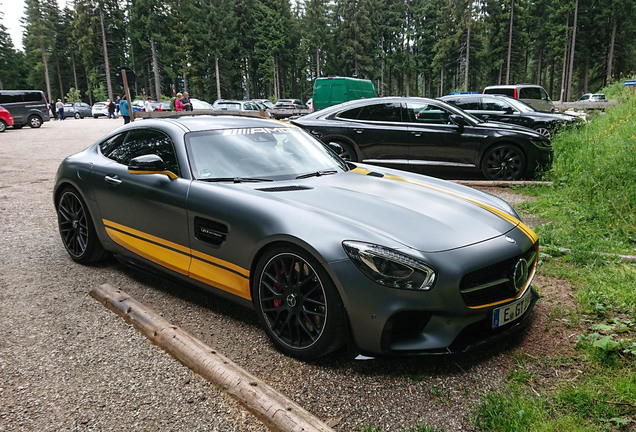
{"x":421,"y":112}
{"x":141,"y":142}
{"x":33,"y":97}
{"x":10,"y":98}
{"x":350,"y":114}
{"x":502,"y":91}
{"x":530,"y":93}
{"x":389,"y":112}
{"x":467,"y":103}
{"x":492,"y":104}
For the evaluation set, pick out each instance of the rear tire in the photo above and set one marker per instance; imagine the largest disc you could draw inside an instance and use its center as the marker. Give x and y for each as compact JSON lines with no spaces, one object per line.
{"x":76,"y":228}
{"x":3,"y":126}
{"x":78,"y":116}
{"x":34,"y":121}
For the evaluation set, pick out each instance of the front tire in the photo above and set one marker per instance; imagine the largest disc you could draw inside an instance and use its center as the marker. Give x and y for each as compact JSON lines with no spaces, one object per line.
{"x":348,"y":153}
{"x":504,"y":162}
{"x":34,"y":121}
{"x":76,"y":228}
{"x":3,"y":126}
{"x":543,"y":130}
{"x":298,"y":304}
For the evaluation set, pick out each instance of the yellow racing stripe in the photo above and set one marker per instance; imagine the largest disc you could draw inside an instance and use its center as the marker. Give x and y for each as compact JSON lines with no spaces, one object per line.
{"x":181,"y":259}
{"x":502,"y":214}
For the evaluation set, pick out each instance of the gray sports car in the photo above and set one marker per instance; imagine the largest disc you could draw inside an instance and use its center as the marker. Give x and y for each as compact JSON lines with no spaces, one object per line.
{"x":325,"y":251}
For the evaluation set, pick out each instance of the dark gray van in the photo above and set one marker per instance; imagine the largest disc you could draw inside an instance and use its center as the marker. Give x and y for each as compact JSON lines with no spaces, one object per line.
{"x":27,"y":107}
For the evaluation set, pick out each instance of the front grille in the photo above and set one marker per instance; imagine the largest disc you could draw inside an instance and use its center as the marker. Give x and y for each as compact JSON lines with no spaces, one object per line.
{"x":496,"y":283}
{"x":284,"y":189}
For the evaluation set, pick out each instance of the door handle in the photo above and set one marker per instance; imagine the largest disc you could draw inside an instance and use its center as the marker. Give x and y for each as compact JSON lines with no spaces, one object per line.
{"x":114,"y":180}
{"x":359,"y":130}
{"x":417,"y":134}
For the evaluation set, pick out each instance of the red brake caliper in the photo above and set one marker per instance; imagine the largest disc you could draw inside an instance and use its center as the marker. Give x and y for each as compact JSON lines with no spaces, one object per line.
{"x":278,"y":302}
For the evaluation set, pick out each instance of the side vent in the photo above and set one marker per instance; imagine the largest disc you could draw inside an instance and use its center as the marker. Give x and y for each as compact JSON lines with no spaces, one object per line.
{"x":285,"y":188}
{"x":209,"y":231}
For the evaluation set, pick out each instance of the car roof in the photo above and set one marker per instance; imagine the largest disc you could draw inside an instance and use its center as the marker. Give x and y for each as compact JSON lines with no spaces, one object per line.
{"x":208,"y":122}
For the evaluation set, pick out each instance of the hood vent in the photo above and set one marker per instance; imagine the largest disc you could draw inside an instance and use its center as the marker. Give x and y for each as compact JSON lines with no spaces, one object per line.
{"x":285,"y":189}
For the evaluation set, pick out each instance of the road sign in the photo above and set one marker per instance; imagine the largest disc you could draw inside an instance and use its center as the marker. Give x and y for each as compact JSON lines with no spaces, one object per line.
{"x":629,"y":83}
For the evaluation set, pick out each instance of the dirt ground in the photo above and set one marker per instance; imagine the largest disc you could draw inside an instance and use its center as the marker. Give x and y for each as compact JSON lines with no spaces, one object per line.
{"x":67,"y":363}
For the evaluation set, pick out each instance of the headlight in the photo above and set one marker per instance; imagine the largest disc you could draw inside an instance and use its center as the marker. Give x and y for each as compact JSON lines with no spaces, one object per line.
{"x":389,"y":267}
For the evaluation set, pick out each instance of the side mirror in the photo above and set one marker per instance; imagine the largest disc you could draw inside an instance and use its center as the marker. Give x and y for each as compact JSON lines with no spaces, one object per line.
{"x":458,"y":120}
{"x":149,"y":164}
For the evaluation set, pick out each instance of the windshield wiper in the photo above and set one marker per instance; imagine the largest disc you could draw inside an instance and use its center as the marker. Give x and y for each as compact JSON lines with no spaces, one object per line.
{"x":236,"y":179}
{"x":317,"y":174}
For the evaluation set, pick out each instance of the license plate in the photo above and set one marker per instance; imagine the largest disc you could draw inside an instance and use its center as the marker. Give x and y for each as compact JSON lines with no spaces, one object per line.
{"x":511,"y":312}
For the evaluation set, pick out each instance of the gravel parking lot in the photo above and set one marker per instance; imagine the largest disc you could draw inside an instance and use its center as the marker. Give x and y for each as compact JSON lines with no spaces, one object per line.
{"x":67,"y":363}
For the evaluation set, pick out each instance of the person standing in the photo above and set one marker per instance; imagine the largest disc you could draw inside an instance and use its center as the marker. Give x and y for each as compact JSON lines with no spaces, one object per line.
{"x":53,"y":109}
{"x":123,"y":110}
{"x":117,"y":106}
{"x":187,"y":105}
{"x":60,"y":109}
{"x":111,"y":109}
{"x":178,"y":103}
{"x":148,"y":105}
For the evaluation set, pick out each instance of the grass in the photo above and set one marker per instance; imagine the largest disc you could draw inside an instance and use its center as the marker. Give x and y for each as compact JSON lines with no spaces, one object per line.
{"x":590,"y":214}
{"x":590,"y":220}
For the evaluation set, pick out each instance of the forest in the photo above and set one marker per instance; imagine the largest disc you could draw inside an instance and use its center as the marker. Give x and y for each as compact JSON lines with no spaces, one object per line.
{"x":276,"y":48}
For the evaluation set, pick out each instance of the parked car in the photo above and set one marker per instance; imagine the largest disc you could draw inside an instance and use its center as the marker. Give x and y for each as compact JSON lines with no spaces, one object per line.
{"x":235,"y":105}
{"x":266,"y":102}
{"x":593,"y":97}
{"x":138,"y":105}
{"x":532,"y":94}
{"x":27,"y":107}
{"x":5,"y":119}
{"x":99,"y":109}
{"x":162,"y":106}
{"x":409,"y":131}
{"x":513,"y":111}
{"x":290,"y":104}
{"x":198,"y":104}
{"x":387,"y":261}
{"x":79,"y":110}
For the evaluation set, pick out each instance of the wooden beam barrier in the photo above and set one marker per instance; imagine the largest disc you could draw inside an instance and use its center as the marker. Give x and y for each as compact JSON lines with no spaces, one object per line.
{"x":277,"y":412}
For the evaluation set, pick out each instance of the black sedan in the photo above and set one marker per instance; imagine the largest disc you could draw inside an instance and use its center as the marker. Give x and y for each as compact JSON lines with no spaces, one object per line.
{"x":513,"y":111}
{"x":426,"y":132}
{"x":326,"y":252}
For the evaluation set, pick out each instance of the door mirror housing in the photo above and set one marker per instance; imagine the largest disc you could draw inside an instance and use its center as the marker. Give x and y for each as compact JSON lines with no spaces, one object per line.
{"x":149,"y":164}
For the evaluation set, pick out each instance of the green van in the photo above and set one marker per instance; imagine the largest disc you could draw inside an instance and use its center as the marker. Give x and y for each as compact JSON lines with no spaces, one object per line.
{"x":334,"y":90}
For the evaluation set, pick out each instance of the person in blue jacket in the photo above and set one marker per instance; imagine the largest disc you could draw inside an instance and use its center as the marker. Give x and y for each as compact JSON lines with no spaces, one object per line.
{"x":123,"y":109}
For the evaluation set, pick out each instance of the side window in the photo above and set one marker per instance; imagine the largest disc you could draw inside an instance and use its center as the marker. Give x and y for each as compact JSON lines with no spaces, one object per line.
{"x":467,"y":103}
{"x":351,"y":114}
{"x":426,"y":113}
{"x":6,"y":98}
{"x":33,"y":97}
{"x":388,"y":112}
{"x":492,"y":104}
{"x":139,"y":142}
{"x":544,"y":95}
{"x":108,"y":146}
{"x":529,"y":93}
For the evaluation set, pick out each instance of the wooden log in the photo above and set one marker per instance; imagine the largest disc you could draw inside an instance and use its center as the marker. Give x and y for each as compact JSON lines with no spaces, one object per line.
{"x":276,"y":411}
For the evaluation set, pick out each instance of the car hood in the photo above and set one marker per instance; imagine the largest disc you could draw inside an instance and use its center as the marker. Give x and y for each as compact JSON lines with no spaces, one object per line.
{"x":508,"y":126}
{"x":551,"y":116}
{"x":425,"y":216}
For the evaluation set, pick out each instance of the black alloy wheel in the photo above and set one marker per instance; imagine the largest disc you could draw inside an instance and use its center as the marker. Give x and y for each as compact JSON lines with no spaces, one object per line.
{"x":348,"y":153}
{"x":504,"y":162}
{"x":77,"y":230}
{"x":297,"y":304}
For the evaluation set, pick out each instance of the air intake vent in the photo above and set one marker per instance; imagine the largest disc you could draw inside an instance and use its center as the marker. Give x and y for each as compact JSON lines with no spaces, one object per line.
{"x":285,"y":189}
{"x":209,"y":231}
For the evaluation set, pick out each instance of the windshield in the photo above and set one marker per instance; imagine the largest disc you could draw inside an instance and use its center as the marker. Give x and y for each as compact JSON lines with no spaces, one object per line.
{"x":279,"y":153}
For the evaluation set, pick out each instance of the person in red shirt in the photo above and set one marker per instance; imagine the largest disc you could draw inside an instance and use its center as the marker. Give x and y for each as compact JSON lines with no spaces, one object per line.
{"x":178,"y":104}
